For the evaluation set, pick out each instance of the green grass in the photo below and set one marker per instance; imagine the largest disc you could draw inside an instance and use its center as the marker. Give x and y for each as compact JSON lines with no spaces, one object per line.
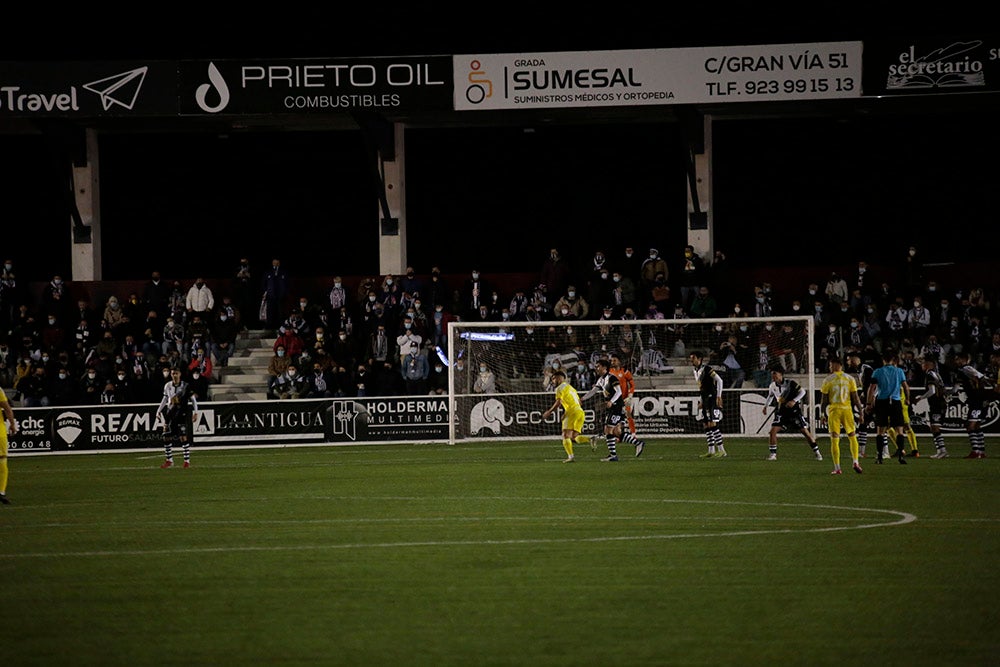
{"x":497,"y":554}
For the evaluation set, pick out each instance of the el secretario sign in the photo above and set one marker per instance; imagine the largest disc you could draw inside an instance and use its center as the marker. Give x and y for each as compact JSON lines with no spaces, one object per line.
{"x":826,"y":70}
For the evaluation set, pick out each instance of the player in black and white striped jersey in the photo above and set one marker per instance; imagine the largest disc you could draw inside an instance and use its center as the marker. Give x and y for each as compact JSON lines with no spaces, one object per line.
{"x":611,"y":390}
{"x":177,"y":409}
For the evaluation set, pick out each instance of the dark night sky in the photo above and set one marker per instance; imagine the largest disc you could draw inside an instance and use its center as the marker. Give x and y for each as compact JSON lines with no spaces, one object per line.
{"x":789,"y":192}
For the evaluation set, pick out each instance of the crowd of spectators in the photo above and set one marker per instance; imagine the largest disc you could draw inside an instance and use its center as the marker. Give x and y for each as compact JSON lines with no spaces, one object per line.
{"x":383,"y":337}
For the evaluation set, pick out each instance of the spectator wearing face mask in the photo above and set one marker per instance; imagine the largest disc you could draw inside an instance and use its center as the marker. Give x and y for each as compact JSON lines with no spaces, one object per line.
{"x":571,"y":306}
{"x":199,"y":299}
{"x":90,"y":387}
{"x":437,"y":380}
{"x":486,"y":381}
{"x":224,"y":331}
{"x":555,"y":275}
{"x":62,"y":388}
{"x":475,"y":293}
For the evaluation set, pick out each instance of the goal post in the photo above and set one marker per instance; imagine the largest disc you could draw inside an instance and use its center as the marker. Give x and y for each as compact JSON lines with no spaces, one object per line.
{"x":505,"y":400}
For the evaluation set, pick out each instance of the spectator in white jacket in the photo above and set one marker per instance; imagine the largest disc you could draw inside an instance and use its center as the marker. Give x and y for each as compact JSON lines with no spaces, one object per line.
{"x":200,"y":300}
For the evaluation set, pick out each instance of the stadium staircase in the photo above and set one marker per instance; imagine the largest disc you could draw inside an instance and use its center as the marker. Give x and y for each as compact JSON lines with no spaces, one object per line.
{"x":245,"y":378}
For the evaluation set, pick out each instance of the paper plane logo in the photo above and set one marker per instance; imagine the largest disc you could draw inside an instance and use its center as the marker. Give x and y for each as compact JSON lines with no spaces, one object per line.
{"x":121,"y":89}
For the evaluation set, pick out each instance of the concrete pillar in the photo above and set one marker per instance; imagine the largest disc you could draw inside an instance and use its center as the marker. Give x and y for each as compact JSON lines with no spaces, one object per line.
{"x":392,"y":232}
{"x":86,"y":252}
{"x":702,"y":238}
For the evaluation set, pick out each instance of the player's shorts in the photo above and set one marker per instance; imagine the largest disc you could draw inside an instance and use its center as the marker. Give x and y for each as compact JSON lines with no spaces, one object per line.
{"x":935,"y":411}
{"x":573,"y":420}
{"x":789,"y":418}
{"x":840,"y":420}
{"x":613,"y":419}
{"x":711,"y":414}
{"x":888,"y":413}
{"x":976,"y":413}
{"x":179,"y":427}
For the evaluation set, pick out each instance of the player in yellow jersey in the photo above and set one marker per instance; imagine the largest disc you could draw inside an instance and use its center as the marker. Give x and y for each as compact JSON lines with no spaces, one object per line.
{"x":840,"y":393}
{"x":573,"y":415}
{"x":8,"y":418}
{"x":910,"y":435}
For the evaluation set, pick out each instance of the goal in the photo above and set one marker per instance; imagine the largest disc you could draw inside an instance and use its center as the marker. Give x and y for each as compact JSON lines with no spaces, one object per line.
{"x":521,"y":357}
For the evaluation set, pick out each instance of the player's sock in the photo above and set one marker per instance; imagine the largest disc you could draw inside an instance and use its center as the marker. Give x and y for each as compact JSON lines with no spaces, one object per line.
{"x":911,"y":437}
{"x":978,"y":441}
{"x":568,"y":446}
{"x":939,"y":442}
{"x":612,"y":440}
{"x":862,"y":442}
{"x":4,"y":474}
{"x":168,"y":450}
{"x":717,"y":439}
{"x":630,"y":438}
{"x":835,"y":450}
{"x":186,"y":446}
{"x":582,"y":439}
{"x":854,"y":447}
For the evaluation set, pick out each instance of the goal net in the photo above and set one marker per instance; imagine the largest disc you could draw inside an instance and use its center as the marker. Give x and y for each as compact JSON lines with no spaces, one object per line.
{"x":500,"y":373}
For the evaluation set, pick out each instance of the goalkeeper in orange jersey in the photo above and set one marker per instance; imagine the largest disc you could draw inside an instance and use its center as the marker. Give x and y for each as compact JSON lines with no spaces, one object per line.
{"x":627,"y":383}
{"x":573,"y":414}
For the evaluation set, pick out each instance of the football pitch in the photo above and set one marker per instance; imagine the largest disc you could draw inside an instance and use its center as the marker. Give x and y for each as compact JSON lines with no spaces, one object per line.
{"x":499,"y":554}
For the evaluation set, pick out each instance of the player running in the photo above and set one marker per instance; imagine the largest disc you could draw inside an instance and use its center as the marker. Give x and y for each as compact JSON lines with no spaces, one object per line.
{"x":610,"y":388}
{"x":573,"y":415}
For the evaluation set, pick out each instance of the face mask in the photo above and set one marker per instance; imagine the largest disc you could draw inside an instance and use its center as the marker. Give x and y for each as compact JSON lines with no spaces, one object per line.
{"x":388,"y":282}
{"x":475,"y":276}
{"x":617,"y":279}
{"x":763,"y":348}
{"x":916,"y":304}
{"x":854,"y":325}
{"x":408,"y":325}
{"x":565,"y":311}
{"x":416,"y":304}
{"x":291,"y":374}
{"x":438,"y":369}
{"x":569,"y":331}
{"x":482,"y":369}
{"x":870,"y":310}
{"x":628,"y":254}
{"x":223,"y":318}
{"x":62,"y":376}
{"x":371,"y":299}
{"x":571,"y":294}
{"x":529,"y":331}
{"x":833,"y":329}
{"x":281,"y":353}
{"x":796,"y":308}
{"x":819,"y":309}
{"x":718,"y":327}
{"x":736,"y":309}
{"x":604,"y":276}
{"x":91,"y":375}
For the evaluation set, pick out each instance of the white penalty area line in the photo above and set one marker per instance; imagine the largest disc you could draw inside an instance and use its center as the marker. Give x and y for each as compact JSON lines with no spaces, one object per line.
{"x":899,"y":518}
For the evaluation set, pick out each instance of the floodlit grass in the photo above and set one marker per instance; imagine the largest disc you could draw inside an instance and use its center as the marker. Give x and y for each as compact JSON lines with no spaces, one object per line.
{"x":498,"y":554}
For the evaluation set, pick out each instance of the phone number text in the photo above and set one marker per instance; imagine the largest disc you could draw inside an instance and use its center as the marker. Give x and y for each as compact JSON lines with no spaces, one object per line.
{"x":846,"y":85}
